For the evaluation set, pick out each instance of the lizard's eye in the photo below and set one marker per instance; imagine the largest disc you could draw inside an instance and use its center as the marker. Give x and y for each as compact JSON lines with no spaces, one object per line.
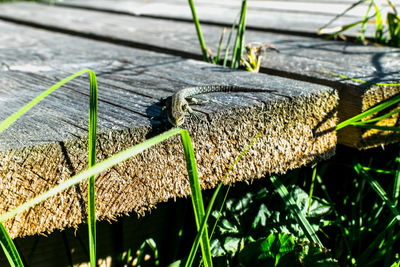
{"x":184,"y":107}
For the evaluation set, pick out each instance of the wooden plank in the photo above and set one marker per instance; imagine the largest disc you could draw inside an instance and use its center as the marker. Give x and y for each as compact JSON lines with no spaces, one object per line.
{"x":288,"y":17}
{"x":49,"y":144}
{"x":153,"y":7}
{"x":302,"y":58}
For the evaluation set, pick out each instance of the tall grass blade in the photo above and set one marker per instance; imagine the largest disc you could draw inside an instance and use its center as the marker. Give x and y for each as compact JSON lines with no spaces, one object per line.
{"x":379,"y":25}
{"x":91,"y":163}
{"x":202,"y":228}
{"x":382,"y":117}
{"x":337,"y":216}
{"x":396,"y":184}
{"x":84,"y":175}
{"x":9,"y":248}
{"x":11,"y":119}
{"x":198,"y":30}
{"x":364,"y":258}
{"x":197,"y":199}
{"x":369,"y":112}
{"x":364,"y":22}
{"x":383,"y":128}
{"x":392,"y":6}
{"x":395,"y":199}
{"x":295,"y":210}
{"x":238,"y":48}
{"x":217,"y":57}
{"x":378,"y":189}
{"x":393,"y":29}
{"x":196,"y":242}
{"x":310,"y":195}
{"x":341,"y":14}
{"x":228,"y":43}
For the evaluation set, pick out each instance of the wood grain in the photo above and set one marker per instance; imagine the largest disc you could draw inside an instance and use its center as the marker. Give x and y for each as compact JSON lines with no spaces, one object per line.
{"x":296,"y":17}
{"x":301,"y":58}
{"x":49,"y":144}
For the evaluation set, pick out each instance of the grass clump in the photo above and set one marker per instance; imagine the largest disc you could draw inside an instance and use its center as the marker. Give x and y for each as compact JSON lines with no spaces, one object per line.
{"x":387,"y":30}
{"x":253,"y":56}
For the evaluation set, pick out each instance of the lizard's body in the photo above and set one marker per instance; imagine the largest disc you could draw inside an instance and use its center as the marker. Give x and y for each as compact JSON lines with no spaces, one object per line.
{"x":178,"y":104}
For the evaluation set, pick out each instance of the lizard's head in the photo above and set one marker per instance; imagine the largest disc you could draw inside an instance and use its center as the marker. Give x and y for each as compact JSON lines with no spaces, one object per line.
{"x":177,"y":112}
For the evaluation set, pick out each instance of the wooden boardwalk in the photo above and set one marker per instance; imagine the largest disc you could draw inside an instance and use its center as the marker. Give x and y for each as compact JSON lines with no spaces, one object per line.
{"x":143,"y":51}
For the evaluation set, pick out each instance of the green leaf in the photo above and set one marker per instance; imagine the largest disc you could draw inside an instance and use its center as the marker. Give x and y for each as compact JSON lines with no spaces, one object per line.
{"x":270,"y":249}
{"x":197,"y":199}
{"x":238,"y":48}
{"x":390,"y":102}
{"x":198,"y":30}
{"x":11,"y":119}
{"x":379,"y":190}
{"x":91,"y":163}
{"x":379,"y":25}
{"x":261,"y":218}
{"x":9,"y":248}
{"x":294,"y":209}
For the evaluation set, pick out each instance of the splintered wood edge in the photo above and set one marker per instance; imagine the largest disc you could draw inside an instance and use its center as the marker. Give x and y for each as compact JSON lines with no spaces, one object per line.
{"x":297,"y":131}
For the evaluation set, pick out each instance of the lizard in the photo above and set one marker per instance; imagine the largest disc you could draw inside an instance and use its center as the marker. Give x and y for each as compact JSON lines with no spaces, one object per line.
{"x":177,"y":104}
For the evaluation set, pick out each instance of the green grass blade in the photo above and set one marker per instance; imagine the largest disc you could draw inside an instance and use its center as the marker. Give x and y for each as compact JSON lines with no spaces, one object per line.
{"x":378,"y":170}
{"x":198,"y":30}
{"x":341,"y":14}
{"x":358,"y":80}
{"x":212,"y":200}
{"x":378,"y":189}
{"x":379,"y":25}
{"x":364,"y":258}
{"x":382,"y":117}
{"x":395,"y":197}
{"x":392,"y":6}
{"x":228,"y":43}
{"x":396,"y":184}
{"x":369,"y":112}
{"x":364,"y":22}
{"x":202,"y":228}
{"x":383,"y":128}
{"x":310,"y":195}
{"x":12,"y":254}
{"x":238,"y":48}
{"x":98,"y":168}
{"x":343,"y":231}
{"x":294,"y":209}
{"x":221,"y":38}
{"x":9,"y":248}
{"x":7,"y":122}
{"x":197,"y":199}
{"x":91,"y":163}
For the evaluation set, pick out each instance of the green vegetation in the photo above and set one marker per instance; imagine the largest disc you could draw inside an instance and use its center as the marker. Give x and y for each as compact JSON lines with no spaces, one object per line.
{"x":386,"y":31}
{"x":344,"y":210}
{"x":251,"y":62}
{"x":257,"y":227}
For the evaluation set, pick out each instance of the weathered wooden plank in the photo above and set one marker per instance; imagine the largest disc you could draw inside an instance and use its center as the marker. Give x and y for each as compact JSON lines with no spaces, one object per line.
{"x":49,"y":144}
{"x":294,"y":17}
{"x":152,"y":7}
{"x":302,"y":58}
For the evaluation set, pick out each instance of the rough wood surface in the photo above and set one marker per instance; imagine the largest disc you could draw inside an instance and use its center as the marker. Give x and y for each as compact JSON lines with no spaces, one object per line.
{"x":49,"y":144}
{"x":278,"y":16}
{"x":303,"y":58}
